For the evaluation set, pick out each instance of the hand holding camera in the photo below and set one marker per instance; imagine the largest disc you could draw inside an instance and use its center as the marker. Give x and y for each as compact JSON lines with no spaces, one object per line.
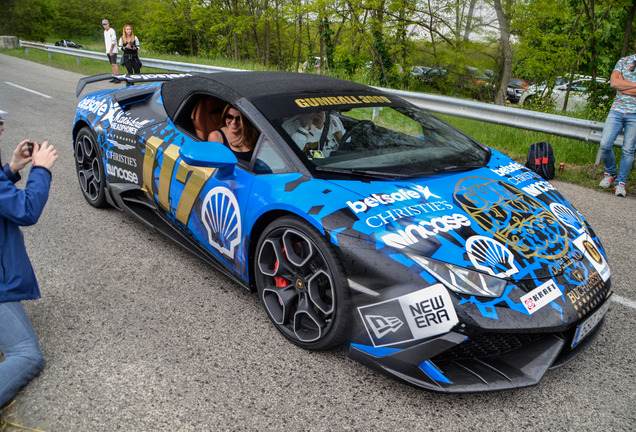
{"x":45,"y":155}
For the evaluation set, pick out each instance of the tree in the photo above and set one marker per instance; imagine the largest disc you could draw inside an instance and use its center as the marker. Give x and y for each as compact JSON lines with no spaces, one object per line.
{"x":506,"y":52}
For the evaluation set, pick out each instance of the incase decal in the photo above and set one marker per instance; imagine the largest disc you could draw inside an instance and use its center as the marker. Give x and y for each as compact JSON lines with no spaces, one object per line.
{"x":418,"y":315}
{"x":540,"y":296}
{"x":122,"y":173}
{"x":413,"y":233}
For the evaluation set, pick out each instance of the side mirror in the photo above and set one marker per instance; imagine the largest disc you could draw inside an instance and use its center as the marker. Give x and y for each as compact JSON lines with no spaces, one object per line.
{"x":209,"y":154}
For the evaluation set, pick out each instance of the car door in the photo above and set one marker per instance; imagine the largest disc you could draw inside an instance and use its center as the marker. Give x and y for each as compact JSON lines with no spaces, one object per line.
{"x":206,"y":203}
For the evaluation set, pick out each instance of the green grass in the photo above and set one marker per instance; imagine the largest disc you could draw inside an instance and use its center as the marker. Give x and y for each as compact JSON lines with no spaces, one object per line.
{"x":578,"y":156}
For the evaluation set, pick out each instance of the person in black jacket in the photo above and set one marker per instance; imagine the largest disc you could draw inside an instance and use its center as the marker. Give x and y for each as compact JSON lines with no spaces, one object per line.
{"x":23,"y":358}
{"x":129,"y":43}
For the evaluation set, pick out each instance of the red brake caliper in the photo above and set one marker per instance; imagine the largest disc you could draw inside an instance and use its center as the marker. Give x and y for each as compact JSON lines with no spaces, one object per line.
{"x":280,"y":281}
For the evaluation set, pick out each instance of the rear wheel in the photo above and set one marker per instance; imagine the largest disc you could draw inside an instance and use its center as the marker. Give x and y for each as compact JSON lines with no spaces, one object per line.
{"x":301,"y":284}
{"x":90,"y":169}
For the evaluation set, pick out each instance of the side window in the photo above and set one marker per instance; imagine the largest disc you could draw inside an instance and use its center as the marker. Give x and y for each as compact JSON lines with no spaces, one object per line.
{"x":200,"y":115}
{"x":268,"y":160}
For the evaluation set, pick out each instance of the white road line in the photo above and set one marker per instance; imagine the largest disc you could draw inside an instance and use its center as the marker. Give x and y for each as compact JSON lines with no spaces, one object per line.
{"x":29,"y":90}
{"x":624,"y":301}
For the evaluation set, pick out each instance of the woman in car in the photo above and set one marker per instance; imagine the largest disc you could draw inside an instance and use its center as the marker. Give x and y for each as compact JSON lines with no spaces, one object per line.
{"x":237,"y":134}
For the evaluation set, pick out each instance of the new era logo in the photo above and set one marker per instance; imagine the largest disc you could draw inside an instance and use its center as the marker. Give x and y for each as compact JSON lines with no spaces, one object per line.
{"x":382,"y":326}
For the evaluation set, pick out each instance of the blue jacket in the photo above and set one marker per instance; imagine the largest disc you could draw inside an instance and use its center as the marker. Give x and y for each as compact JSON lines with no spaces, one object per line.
{"x":19,"y":207}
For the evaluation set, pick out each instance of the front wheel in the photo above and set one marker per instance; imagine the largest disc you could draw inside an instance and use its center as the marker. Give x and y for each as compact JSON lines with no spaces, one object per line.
{"x":301,"y":284}
{"x":90,"y":169}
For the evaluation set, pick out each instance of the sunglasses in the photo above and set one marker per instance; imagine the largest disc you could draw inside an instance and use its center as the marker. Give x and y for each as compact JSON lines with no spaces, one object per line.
{"x":231,"y":118}
{"x":631,"y":68}
{"x":1,"y":122}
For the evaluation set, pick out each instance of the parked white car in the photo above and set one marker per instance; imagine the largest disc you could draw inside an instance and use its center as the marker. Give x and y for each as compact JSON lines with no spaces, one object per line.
{"x":578,"y":93}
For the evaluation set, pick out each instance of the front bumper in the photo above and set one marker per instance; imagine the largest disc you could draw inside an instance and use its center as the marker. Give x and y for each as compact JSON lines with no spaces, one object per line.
{"x":458,"y":363}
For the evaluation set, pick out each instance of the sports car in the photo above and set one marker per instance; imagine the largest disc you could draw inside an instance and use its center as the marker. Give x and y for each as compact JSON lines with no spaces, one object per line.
{"x":361,"y":221}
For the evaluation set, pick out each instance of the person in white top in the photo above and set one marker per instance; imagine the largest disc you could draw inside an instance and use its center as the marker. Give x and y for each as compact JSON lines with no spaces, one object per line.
{"x":313,"y":135}
{"x":329,"y":138}
{"x":110,"y":41}
{"x":302,"y":135}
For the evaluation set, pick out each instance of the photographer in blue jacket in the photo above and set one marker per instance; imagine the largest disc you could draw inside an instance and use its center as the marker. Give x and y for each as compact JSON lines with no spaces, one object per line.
{"x":23,"y":358}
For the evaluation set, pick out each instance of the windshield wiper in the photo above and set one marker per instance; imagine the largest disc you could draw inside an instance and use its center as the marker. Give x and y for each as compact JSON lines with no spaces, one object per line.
{"x":456,"y":168}
{"x":363,"y":173}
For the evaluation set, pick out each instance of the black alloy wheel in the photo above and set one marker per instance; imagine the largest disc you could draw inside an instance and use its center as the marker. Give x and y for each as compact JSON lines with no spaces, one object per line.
{"x":301,"y":284}
{"x":90,"y":169}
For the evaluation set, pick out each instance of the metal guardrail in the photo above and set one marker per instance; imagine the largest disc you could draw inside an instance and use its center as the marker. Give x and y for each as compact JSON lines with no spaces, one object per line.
{"x":101,"y":56}
{"x":578,"y":129}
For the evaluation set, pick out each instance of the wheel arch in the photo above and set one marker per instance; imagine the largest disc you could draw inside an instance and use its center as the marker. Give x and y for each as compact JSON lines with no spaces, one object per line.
{"x":259,"y":226}
{"x":78,"y":126}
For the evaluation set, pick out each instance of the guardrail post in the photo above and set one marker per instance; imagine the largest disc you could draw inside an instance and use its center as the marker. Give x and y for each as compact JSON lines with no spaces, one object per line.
{"x":50,"y":55}
{"x":78,"y":60}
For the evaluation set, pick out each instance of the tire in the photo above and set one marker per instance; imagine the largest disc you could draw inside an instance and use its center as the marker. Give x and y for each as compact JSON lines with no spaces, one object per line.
{"x":90,"y":168}
{"x":301,"y":284}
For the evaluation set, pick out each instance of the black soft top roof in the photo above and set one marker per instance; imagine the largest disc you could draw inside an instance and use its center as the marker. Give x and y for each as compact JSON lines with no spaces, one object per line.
{"x":233,"y":86}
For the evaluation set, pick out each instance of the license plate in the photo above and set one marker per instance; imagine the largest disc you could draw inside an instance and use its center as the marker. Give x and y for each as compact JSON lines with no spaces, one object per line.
{"x":589,"y":324}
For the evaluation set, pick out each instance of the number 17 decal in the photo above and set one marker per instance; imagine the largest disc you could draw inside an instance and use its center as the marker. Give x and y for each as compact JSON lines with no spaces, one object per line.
{"x":193,"y":178}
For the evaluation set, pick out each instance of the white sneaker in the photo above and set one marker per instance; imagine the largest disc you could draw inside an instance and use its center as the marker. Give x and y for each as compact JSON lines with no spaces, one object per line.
{"x":607,"y":181}
{"x":620,"y":189}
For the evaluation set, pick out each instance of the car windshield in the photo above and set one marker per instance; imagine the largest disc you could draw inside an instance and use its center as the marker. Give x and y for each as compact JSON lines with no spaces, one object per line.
{"x":380,"y":141}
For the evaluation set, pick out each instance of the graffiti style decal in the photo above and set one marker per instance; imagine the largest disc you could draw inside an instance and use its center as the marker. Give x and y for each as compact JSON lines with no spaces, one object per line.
{"x":222,"y":220}
{"x":516,"y":219}
{"x":569,"y":261}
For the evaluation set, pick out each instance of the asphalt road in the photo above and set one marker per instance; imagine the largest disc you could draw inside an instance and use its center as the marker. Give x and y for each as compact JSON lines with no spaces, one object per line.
{"x":139,"y":335}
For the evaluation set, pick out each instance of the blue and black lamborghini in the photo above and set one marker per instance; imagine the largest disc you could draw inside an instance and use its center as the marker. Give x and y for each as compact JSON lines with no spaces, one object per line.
{"x":429,"y":256}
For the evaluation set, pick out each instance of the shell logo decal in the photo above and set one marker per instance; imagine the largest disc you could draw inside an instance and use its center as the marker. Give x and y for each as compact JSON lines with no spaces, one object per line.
{"x":222,"y":220}
{"x":491,"y":256}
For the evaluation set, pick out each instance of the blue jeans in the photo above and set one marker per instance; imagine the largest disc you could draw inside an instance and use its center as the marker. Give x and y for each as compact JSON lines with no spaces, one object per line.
{"x":23,"y":358}
{"x":614,"y":124}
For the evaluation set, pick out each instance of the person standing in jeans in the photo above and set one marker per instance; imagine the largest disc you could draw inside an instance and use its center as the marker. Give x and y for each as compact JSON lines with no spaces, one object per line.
{"x":622,"y":117}
{"x":23,"y":358}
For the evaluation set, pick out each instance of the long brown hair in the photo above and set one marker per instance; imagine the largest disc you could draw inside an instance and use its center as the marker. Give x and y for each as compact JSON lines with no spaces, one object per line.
{"x":124,"y":36}
{"x":249,"y":134}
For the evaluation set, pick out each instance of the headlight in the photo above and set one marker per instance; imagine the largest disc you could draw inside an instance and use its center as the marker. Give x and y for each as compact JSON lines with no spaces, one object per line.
{"x":462,"y":280}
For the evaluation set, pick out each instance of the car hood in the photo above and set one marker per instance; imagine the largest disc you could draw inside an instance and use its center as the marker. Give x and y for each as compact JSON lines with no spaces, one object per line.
{"x":499,"y":219}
